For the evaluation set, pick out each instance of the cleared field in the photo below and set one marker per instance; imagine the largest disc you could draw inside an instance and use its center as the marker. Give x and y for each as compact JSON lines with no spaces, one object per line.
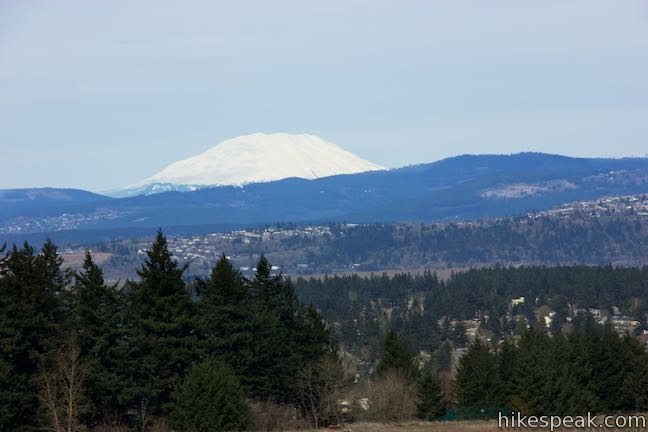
{"x":75,"y":260}
{"x":459,"y":426}
{"x":456,"y":426}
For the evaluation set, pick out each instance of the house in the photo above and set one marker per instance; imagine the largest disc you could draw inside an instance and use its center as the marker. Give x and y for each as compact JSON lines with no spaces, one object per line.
{"x":596,"y":313}
{"x":621,"y":323}
{"x":517,"y":301}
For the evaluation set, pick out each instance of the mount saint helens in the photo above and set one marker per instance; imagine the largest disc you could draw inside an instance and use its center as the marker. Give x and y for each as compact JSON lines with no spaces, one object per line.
{"x":256,"y":158}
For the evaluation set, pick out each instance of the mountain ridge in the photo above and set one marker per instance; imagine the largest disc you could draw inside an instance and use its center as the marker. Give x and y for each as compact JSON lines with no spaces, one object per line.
{"x":454,"y":189}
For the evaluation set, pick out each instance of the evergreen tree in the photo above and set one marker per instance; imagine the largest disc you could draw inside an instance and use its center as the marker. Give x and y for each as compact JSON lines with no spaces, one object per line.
{"x":210,"y":399}
{"x":266,"y":287}
{"x":443,"y":357}
{"x":430,"y":404}
{"x":228,"y":322}
{"x":313,"y":338}
{"x":98,"y":320}
{"x":634,"y":392}
{"x":396,"y":356}
{"x":506,"y":358}
{"x":259,"y":328}
{"x":162,"y":338}
{"x":277,"y":354}
{"x":32,"y":324}
{"x":533,"y":361}
{"x":476,"y":380}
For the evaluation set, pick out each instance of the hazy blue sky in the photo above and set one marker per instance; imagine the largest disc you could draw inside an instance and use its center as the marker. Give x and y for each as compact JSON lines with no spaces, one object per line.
{"x":100,"y":94}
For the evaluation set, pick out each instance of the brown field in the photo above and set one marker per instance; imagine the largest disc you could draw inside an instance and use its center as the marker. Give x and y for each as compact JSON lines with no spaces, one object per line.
{"x":455,"y":426}
{"x":417,"y":426}
{"x":75,"y":260}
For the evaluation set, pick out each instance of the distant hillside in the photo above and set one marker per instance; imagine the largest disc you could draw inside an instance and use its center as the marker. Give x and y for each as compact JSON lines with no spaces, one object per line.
{"x":611,"y":230}
{"x":44,"y":201}
{"x":454,"y":189}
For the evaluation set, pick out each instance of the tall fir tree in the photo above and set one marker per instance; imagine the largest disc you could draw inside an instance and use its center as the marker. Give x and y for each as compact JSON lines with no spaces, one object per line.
{"x":533,"y":361}
{"x":430,"y":403}
{"x":210,"y":399}
{"x":287,"y":336}
{"x":476,"y":381}
{"x":32,"y":325}
{"x":227,"y":322}
{"x":163,"y":343}
{"x":278,"y":357}
{"x":634,"y":391}
{"x":98,"y":321}
{"x":396,"y":357}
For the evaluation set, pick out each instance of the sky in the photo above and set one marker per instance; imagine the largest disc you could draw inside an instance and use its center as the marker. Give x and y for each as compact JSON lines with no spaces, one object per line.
{"x":101,"y":94}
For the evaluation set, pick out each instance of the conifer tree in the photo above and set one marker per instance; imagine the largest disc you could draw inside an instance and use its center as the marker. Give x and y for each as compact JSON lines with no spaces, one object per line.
{"x":506,"y":358}
{"x":634,"y":392}
{"x":533,"y":360}
{"x":210,"y":399}
{"x":32,"y":323}
{"x":98,"y":320}
{"x":396,"y":356}
{"x":476,"y":380}
{"x":443,"y":357}
{"x":313,"y":338}
{"x":430,"y":404}
{"x":162,"y":339}
{"x":227,"y":319}
{"x":278,"y":358}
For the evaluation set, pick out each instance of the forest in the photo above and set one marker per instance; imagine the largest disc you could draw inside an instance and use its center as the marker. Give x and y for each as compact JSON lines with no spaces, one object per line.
{"x":75,"y":351}
{"x":544,"y":240}
{"x":227,"y":352}
{"x":423,"y":307}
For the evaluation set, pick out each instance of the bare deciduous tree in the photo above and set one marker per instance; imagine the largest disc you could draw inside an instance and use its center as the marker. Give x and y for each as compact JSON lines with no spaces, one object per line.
{"x":388,"y":398}
{"x":319,"y":387}
{"x":62,"y":390}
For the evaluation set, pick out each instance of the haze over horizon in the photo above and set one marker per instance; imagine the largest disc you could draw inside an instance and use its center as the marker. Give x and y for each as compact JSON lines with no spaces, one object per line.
{"x":100,"y":95}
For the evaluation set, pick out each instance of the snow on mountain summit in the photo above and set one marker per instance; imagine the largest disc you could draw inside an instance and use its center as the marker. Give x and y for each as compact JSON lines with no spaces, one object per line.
{"x":258,"y":158}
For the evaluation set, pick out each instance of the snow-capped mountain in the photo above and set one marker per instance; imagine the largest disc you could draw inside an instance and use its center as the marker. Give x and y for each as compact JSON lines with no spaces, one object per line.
{"x":255,"y":158}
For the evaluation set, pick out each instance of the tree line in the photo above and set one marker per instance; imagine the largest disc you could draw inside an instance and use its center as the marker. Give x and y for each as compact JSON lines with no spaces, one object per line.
{"x":78,"y":352}
{"x":578,"y":238}
{"x":420,"y":306}
{"x":589,"y":370}
{"x":592,"y":369}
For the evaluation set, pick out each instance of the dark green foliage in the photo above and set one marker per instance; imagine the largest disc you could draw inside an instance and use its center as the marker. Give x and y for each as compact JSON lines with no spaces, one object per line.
{"x":210,"y":399}
{"x":634,"y":391}
{"x":32,"y":324}
{"x":443,"y":357}
{"x":593,"y":371}
{"x":259,"y":328}
{"x":98,"y":322}
{"x":357,"y":303}
{"x":476,"y":380}
{"x":430,"y":404}
{"x":226,"y":317}
{"x":162,"y":340}
{"x":396,"y":357}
